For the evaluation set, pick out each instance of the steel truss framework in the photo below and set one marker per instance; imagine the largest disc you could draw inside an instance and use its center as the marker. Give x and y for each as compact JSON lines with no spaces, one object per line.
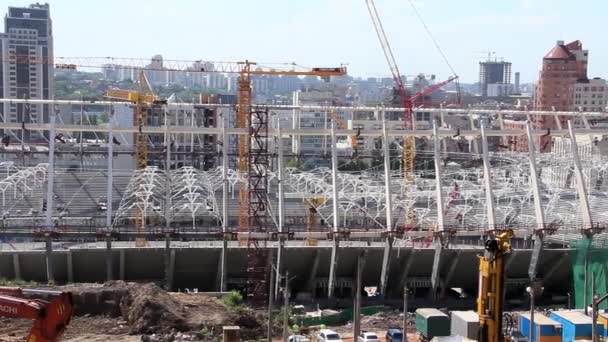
{"x":360,"y":199}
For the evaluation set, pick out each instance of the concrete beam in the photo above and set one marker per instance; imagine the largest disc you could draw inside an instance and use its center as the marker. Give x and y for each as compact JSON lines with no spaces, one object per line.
{"x":16,"y":266}
{"x":50,"y":275}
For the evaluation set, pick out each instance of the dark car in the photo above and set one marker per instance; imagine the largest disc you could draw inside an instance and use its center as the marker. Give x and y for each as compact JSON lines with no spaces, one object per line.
{"x":394,"y":335}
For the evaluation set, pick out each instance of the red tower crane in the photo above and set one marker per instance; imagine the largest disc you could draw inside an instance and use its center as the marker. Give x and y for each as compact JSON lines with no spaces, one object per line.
{"x":409,"y":142}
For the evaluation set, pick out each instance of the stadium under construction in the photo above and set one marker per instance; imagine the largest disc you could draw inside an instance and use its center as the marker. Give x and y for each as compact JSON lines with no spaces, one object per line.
{"x":179,"y":225}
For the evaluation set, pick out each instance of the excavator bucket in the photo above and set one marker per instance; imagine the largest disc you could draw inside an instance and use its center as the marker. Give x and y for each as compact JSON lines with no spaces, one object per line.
{"x":51,"y":324}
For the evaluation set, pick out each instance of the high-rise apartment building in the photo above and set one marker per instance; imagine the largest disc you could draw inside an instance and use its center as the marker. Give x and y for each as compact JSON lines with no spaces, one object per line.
{"x":494,"y":78}
{"x":26,"y":68}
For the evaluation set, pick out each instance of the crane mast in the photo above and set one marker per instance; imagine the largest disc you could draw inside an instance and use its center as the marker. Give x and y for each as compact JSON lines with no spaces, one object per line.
{"x":490,"y":300}
{"x":409,"y":142}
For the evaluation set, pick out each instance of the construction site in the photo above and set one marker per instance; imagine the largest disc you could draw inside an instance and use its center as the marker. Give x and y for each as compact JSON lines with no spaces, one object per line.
{"x":148,"y":230}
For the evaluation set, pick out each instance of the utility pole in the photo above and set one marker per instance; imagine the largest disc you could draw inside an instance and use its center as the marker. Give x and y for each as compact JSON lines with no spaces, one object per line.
{"x":405,"y":314}
{"x":532,"y":309}
{"x":357,"y":306}
{"x":286,"y":308}
{"x":594,"y":307}
{"x":270,"y":304}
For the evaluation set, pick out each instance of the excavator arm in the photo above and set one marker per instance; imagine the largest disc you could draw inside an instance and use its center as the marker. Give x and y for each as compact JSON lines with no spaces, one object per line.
{"x":50,"y":317}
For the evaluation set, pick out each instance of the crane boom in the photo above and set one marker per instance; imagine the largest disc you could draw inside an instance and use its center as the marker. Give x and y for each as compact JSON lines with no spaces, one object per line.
{"x":386,"y":46}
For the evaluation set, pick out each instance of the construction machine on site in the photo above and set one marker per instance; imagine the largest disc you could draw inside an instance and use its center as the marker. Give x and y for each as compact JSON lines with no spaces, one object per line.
{"x":490,"y":301}
{"x":51,"y":316}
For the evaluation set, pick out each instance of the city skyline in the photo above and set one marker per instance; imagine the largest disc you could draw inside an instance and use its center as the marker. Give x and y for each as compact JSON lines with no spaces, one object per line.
{"x":520,"y":31}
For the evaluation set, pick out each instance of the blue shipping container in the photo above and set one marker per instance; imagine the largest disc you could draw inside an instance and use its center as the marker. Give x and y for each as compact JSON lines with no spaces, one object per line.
{"x":575,"y":325}
{"x":544,"y":326}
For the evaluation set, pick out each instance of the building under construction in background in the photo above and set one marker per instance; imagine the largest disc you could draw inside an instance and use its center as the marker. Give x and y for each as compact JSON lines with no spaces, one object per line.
{"x":495,"y":78}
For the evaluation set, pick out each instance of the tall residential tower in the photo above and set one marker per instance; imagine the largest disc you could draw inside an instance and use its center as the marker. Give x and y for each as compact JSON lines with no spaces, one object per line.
{"x":26,"y":68}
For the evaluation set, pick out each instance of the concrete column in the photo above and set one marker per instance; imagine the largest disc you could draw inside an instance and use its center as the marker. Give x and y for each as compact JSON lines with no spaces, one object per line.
{"x":336,"y":241}
{"x":48,"y":221}
{"x":70,"y":267}
{"x":474,"y":141}
{"x":167,"y":141}
{"x":407,"y":265}
{"x":17,"y":266}
{"x":295,"y":139}
{"x":313,"y":272}
{"x":438,"y":241}
{"x":388,"y":246}
{"x":281,"y":218}
{"x":225,"y":205}
{"x":333,"y":267}
{"x":109,"y":261}
{"x":450,"y":274}
{"x":167,"y":260}
{"x":109,"y":189}
{"x":171,"y":272}
{"x":358,"y":289}
{"x":222,"y":267}
{"x":580,"y":181}
{"x":121,"y":264}
{"x":50,"y":275}
{"x":538,"y":206}
{"x":487,"y":178}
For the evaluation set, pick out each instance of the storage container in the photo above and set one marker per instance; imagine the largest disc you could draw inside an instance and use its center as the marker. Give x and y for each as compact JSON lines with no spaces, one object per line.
{"x":575,"y":325}
{"x":465,"y":324}
{"x":432,"y":322}
{"x":545,"y":328}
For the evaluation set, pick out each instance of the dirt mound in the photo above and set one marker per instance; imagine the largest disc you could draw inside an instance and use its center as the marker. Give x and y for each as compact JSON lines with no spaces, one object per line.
{"x":149,"y":309}
{"x":120,"y":308}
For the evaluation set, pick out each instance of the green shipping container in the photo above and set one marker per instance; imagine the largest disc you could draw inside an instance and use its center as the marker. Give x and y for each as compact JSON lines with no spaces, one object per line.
{"x":432,"y":322}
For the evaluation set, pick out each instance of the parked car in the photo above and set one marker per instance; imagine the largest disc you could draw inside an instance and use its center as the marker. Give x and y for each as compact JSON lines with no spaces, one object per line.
{"x":298,"y":338}
{"x":394,"y":335}
{"x":368,"y":337}
{"x":326,"y":335}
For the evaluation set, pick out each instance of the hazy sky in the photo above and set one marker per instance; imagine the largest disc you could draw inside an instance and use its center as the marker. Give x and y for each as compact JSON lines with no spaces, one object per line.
{"x":329,"y":32}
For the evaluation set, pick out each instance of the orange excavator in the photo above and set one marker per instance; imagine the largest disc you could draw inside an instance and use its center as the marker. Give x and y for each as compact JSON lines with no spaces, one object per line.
{"x":50,"y":317}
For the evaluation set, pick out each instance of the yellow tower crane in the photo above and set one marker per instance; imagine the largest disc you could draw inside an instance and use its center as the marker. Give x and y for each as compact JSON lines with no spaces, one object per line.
{"x":144,"y":100}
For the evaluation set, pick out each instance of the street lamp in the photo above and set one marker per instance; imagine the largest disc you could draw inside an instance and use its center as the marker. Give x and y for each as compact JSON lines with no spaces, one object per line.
{"x":533,"y":290}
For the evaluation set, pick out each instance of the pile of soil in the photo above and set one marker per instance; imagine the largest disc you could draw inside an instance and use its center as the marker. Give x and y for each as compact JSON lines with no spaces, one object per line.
{"x":118,"y":311}
{"x":148,"y":309}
